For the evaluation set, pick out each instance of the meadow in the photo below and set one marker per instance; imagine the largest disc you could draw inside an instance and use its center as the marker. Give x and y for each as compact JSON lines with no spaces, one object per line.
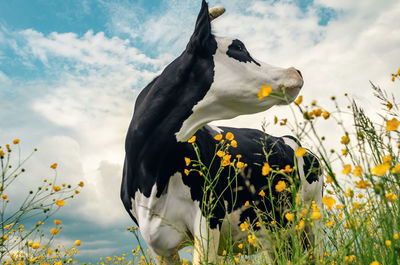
{"x":359,"y":216}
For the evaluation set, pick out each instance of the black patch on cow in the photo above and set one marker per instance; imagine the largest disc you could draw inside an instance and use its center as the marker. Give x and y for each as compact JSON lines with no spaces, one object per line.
{"x":251,"y":145}
{"x":238,"y":51}
{"x":312,"y":167}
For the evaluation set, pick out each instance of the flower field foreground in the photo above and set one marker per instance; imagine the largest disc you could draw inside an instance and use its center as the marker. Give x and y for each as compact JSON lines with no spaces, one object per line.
{"x":20,"y":242}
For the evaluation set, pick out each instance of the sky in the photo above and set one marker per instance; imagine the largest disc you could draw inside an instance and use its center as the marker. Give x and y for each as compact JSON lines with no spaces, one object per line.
{"x":70,"y":72}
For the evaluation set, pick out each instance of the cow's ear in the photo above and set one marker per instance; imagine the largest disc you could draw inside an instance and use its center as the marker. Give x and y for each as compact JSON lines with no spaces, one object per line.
{"x":202,"y":33}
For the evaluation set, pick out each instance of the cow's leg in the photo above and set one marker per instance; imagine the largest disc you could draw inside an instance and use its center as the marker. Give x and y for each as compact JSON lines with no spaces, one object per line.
{"x":206,"y":246}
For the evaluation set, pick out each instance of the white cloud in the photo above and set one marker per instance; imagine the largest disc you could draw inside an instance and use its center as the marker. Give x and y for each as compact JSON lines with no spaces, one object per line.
{"x":89,"y":103}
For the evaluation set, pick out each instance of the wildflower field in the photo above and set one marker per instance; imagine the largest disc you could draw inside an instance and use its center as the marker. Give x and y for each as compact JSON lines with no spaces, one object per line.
{"x":359,"y":219}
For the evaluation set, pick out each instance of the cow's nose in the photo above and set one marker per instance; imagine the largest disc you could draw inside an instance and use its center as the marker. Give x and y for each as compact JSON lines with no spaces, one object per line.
{"x":299,"y":73}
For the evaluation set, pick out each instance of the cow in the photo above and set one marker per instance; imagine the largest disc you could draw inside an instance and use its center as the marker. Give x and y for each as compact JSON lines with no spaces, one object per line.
{"x":214,"y":78}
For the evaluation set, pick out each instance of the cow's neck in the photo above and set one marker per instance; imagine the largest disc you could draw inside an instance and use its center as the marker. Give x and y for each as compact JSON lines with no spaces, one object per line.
{"x":165,"y":108}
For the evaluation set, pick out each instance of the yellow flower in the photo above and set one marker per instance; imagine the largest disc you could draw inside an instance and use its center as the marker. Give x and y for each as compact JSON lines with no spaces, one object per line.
{"x":345,"y":152}
{"x":226,"y":160}
{"x":54,"y":231}
{"x":392,"y":125}
{"x":239,"y":164}
{"x":396,"y":169}
{"x":396,"y":236}
{"x":300,"y":151}
{"x":247,"y":203}
{"x":346,"y":169}
{"x":2,"y":154}
{"x":229,"y":136}
{"x":77,"y":242}
{"x":81,"y":184}
{"x":289,"y":216}
{"x":345,"y":140}
{"x":350,"y":258}
{"x":280,"y":186}
{"x":380,"y":169}
{"x":240,"y":246}
{"x":187,"y":161}
{"x":251,"y":239}
{"x":362,"y":184}
{"x":56,"y":188}
{"x":357,"y":171}
{"x":49,"y":252}
{"x":264,"y":92}
{"x":317,"y":112}
{"x":186,"y":171}
{"x":244,"y":226}
{"x":326,"y":114}
{"x":220,"y":153}
{"x":35,"y":245}
{"x":299,"y":100}
{"x":60,"y":203}
{"x":316,"y":215}
{"x":387,"y":160}
{"x":224,"y":253}
{"x":301,"y":225}
{"x":54,"y":166}
{"x":57,"y":222}
{"x":349,"y":193}
{"x":234,"y":143}
{"x":287,"y":169}
{"x":192,"y":140}
{"x":261,"y":193}
{"x":265,"y":169}
{"x":388,"y":243}
{"x":374,"y":263}
{"x":357,"y":205}
{"x":328,"y":202}
{"x":391,"y":197}
{"x":218,"y":137}
{"x":16,"y":141}
{"x":329,"y":179}
{"x":4,"y":196}
{"x":330,"y":223}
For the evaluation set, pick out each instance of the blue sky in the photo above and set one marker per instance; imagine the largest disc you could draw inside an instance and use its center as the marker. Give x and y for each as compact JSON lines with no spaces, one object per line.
{"x":71,"y":70}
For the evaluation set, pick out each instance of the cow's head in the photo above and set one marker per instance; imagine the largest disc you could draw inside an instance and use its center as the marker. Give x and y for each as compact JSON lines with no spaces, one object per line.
{"x":237,"y":79}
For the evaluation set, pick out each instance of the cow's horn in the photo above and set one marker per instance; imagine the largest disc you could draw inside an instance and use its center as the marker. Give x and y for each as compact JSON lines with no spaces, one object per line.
{"x":216,"y":11}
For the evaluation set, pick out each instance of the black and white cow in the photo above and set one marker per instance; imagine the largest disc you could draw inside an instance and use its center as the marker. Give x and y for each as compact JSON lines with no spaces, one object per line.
{"x":214,"y":78}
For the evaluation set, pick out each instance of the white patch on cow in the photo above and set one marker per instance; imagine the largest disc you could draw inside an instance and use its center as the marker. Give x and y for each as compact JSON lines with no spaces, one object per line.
{"x":309,"y":192}
{"x":235,"y":87}
{"x":167,"y":221}
{"x":216,"y":129}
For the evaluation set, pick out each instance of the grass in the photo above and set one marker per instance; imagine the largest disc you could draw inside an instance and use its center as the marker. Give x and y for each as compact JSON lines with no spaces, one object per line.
{"x":360,"y":215}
